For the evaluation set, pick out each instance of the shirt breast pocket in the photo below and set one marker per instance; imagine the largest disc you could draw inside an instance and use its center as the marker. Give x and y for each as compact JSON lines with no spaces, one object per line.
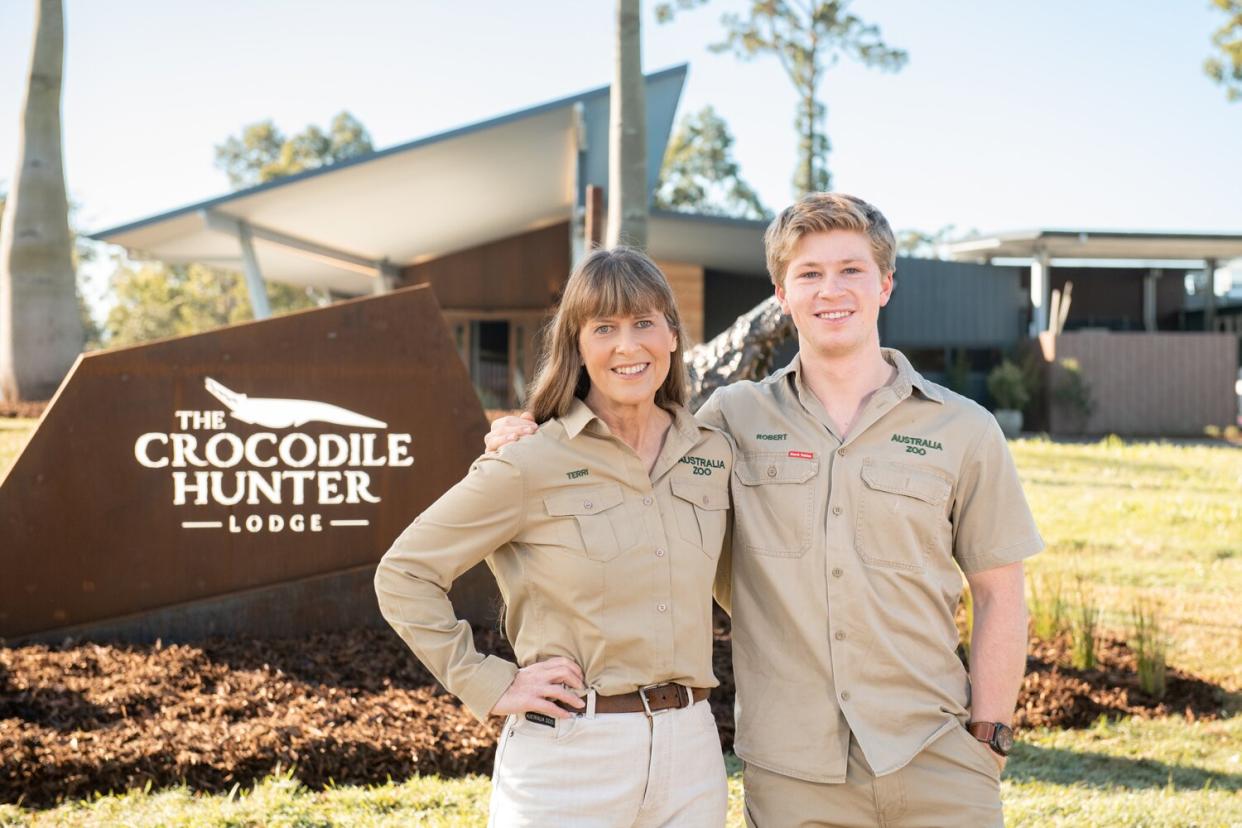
{"x":701,"y":510}
{"x":900,"y":515}
{"x":603,"y":527}
{"x":775,"y":504}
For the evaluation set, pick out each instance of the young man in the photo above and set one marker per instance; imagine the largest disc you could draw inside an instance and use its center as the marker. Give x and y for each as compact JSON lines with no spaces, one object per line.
{"x":861,"y":493}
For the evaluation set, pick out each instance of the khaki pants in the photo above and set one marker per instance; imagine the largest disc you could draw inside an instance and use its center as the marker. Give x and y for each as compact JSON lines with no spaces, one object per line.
{"x":614,"y":769}
{"x":954,"y":781}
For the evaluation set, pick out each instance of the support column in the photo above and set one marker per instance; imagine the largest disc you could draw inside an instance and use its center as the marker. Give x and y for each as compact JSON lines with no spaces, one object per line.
{"x":1209,"y":296}
{"x":577,"y":232}
{"x":1041,"y":284}
{"x":388,"y":276}
{"x":1149,"y":299}
{"x":254,"y":276}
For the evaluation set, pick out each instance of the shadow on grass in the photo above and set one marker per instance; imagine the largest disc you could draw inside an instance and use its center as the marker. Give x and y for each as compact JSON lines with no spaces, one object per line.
{"x":1032,"y":763}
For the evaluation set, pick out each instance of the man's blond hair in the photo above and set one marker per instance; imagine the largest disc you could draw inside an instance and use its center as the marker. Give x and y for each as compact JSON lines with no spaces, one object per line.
{"x":820,"y":213}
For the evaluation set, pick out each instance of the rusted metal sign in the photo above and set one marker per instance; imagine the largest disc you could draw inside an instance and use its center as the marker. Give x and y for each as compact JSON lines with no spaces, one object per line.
{"x":260,"y":460}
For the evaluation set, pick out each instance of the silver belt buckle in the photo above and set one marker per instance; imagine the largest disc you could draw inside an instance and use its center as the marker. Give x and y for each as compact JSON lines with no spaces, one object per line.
{"x":642,"y":695}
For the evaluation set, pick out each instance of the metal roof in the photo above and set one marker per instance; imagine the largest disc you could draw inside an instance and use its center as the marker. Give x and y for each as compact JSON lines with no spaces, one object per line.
{"x":329,"y":226}
{"x":1097,"y":244}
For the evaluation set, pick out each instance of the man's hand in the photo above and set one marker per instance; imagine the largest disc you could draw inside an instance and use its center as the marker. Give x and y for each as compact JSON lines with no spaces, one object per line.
{"x":535,"y":688}
{"x":1000,"y":760}
{"x":507,"y":430}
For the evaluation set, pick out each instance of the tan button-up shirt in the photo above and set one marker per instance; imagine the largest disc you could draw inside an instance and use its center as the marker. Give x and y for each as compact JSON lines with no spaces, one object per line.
{"x":596,"y":560}
{"x":847,"y":560}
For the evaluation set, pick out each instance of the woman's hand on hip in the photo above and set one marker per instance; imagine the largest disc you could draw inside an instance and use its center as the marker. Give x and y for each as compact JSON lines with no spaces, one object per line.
{"x":537,"y":687}
{"x":507,"y":430}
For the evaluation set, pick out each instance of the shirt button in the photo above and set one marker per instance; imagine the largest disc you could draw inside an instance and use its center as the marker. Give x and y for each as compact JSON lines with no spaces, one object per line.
{"x":840,"y":636}
{"x":647,"y":501}
{"x":837,"y":572}
{"x":586,"y":504}
{"x":660,"y":552}
{"x":845,"y":695}
{"x":706,"y":500}
{"x":836,"y":510}
{"x":661,"y":606}
{"x":771,"y":471}
{"x":840,"y":452}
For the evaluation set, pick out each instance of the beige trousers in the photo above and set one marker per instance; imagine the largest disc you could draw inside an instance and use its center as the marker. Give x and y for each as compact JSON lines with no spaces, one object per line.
{"x":613,"y":769}
{"x":954,"y":781}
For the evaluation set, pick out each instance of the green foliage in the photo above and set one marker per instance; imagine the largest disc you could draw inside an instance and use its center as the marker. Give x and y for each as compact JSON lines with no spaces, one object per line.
{"x":1227,"y":68}
{"x":1084,"y":633}
{"x":957,"y":373}
{"x":808,"y":39}
{"x":154,"y":301}
{"x":700,"y":175}
{"x":1047,"y":605}
{"x":1150,"y":645}
{"x":263,"y":153}
{"x":923,"y":245}
{"x":1007,"y":385}
{"x":1072,"y":390}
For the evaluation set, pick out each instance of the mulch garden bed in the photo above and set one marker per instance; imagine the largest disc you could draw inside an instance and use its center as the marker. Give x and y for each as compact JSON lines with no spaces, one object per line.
{"x":32,"y":410}
{"x":353,"y":708}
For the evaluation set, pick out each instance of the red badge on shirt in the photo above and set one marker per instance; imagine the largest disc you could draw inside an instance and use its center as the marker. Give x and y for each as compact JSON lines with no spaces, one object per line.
{"x":803,"y":455}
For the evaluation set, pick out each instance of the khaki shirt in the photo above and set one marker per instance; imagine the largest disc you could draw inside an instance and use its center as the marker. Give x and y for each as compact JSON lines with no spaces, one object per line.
{"x":596,"y":561}
{"x":846,"y":558}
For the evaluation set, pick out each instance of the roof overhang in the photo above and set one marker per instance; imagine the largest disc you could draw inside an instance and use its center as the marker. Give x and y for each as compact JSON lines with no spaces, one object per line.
{"x":343,"y":226}
{"x":1097,"y":244}
{"x":734,"y":245}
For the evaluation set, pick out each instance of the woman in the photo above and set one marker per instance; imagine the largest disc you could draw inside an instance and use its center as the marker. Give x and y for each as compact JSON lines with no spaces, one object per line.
{"x":603,"y":531}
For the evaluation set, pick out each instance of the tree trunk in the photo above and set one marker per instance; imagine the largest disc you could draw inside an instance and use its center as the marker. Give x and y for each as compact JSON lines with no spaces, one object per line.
{"x":40,"y":327}
{"x":627,"y":142}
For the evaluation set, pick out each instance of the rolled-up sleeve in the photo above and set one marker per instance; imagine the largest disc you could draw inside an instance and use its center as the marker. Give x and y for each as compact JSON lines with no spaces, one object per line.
{"x":469,"y":522}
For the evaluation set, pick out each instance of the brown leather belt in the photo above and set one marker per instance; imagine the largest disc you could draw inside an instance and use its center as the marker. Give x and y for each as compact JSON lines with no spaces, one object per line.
{"x":651,"y":699}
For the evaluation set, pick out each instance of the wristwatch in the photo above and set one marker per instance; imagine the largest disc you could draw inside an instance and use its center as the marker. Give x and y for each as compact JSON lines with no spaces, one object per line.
{"x":995,"y":735}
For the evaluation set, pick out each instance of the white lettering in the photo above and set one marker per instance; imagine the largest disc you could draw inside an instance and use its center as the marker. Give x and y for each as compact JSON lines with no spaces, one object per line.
{"x":217,"y":488}
{"x":300,"y":479}
{"x":252,"y":446}
{"x":258,"y":483}
{"x":368,"y":443}
{"x":181,"y":488}
{"x":327,"y":444}
{"x":286,"y":450}
{"x":141,"y":451}
{"x":328,"y":494}
{"x":183,"y":450}
{"x":235,"y":447}
{"x":397,"y":446}
{"x":356,"y":483}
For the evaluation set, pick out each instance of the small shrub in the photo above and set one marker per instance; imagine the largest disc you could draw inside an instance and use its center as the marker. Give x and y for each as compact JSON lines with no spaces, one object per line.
{"x":1007,"y":385}
{"x":1073,"y":391}
{"x":1083,"y":634}
{"x":1048,"y":607}
{"x":1150,"y":645}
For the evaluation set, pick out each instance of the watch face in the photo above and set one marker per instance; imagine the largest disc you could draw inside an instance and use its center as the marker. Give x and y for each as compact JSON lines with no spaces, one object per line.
{"x":1003,"y":739}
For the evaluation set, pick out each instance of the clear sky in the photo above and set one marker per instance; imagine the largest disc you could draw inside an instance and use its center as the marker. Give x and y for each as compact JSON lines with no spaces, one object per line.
{"x":1009,"y":115}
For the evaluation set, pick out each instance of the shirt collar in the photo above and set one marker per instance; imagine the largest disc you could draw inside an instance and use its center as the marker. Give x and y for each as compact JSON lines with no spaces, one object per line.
{"x":907,"y":378}
{"x":577,"y":418}
{"x":580,"y":416}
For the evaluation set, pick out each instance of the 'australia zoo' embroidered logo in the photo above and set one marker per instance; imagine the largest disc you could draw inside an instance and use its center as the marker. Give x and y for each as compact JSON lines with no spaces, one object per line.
{"x":702,"y":465}
{"x":917,"y":445}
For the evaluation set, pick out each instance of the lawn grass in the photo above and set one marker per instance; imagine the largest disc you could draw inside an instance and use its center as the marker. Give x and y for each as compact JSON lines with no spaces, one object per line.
{"x":1155,"y":520}
{"x":13,"y":435}
{"x":1188,"y":775}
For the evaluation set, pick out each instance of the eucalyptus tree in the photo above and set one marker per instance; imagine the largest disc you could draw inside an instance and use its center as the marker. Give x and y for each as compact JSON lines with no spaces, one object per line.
{"x":41,"y":330}
{"x":1226,"y":69}
{"x":808,"y":37}
{"x":627,"y":133}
